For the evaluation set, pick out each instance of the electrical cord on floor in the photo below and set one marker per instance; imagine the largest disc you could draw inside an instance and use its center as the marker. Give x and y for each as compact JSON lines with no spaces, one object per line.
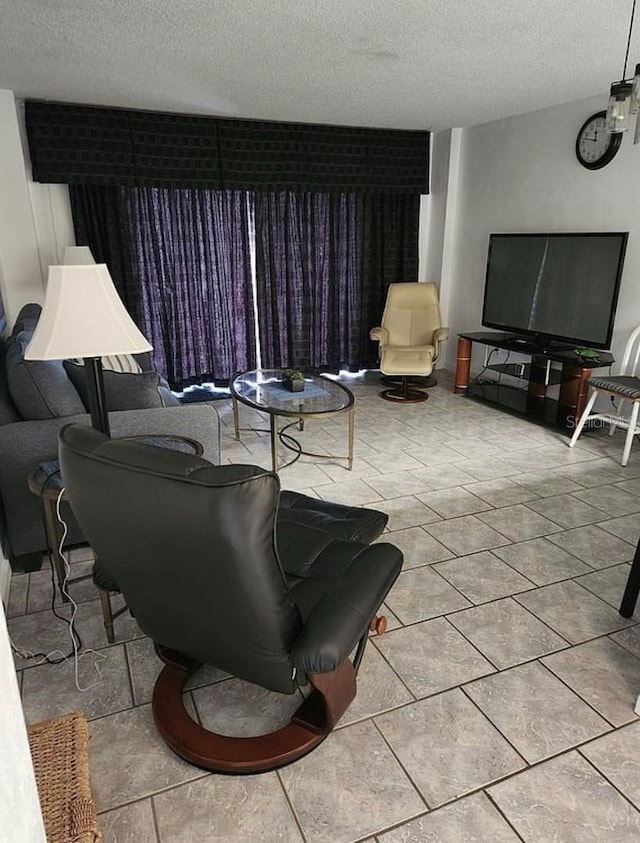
{"x":497,"y":382}
{"x":76,"y":641}
{"x":477,"y":379}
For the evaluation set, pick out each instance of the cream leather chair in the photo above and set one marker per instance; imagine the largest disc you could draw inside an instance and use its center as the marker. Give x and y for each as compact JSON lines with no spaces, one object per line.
{"x":410,"y":338}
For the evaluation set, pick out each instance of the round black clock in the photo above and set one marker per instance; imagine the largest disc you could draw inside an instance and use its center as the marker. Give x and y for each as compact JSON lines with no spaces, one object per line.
{"x":594,"y":147}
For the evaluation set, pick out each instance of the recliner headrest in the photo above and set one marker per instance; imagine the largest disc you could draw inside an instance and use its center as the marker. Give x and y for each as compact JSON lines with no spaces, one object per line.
{"x":152,"y":459}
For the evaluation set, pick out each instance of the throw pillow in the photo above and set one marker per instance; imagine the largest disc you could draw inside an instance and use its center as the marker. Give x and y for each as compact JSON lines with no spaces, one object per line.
{"x":123,"y":390}
{"x":121,"y":363}
{"x":40,"y":389}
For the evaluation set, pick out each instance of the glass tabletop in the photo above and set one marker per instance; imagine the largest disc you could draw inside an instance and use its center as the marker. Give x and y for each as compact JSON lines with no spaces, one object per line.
{"x":264,"y":390}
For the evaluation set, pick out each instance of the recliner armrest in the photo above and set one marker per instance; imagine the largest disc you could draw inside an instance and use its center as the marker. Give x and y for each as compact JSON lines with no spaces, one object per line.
{"x":340,"y":619}
{"x":440,"y":335}
{"x":380,"y":335}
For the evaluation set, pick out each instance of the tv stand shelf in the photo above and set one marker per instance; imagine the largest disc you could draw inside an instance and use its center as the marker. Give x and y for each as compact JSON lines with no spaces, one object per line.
{"x":573,"y":377}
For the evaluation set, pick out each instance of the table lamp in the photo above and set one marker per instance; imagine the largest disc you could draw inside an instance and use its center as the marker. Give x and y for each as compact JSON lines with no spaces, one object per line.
{"x":77,"y":255}
{"x":83,"y":316}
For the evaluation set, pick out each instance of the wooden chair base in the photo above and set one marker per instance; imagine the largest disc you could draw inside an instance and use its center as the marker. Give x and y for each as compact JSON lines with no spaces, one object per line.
{"x":418,"y":382}
{"x":312,"y":722}
{"x":404,"y":391}
{"x":404,"y":396}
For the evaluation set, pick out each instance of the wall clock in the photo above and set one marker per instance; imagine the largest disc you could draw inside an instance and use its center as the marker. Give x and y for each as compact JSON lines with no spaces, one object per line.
{"x":594,"y":147}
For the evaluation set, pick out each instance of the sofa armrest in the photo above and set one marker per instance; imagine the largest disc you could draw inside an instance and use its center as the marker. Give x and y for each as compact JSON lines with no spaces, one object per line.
{"x":24,"y":444}
{"x":197,"y":421}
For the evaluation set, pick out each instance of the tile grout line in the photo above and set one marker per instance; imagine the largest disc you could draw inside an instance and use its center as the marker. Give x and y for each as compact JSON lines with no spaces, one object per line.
{"x":502,"y":814}
{"x":294,"y":815}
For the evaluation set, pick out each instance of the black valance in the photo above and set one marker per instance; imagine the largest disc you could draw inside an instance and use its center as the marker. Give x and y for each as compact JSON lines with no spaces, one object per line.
{"x":77,"y":144}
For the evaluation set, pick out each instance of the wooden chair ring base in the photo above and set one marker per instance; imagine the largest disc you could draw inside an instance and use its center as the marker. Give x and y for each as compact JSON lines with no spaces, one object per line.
{"x":309,"y":726}
{"x":400,"y":396}
{"x":418,"y":382}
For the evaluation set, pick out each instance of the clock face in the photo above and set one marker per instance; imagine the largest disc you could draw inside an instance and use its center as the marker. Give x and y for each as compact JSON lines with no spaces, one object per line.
{"x":594,"y":146}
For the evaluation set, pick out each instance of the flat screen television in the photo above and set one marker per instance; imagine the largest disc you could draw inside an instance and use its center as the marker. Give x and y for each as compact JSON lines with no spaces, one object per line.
{"x":561,"y":287}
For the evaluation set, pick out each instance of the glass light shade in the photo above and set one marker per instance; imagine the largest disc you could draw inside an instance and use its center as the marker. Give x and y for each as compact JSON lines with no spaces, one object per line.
{"x":83,"y":316}
{"x":635,"y":91}
{"x":619,"y":108}
{"x":77,"y":255}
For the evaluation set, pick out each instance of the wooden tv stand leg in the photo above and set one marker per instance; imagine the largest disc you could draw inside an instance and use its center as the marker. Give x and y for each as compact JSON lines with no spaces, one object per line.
{"x":463,"y":366}
{"x":537,"y":390}
{"x":574,"y":392}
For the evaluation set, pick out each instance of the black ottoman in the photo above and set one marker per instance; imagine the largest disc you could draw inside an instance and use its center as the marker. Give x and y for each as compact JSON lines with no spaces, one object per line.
{"x":353,"y":523}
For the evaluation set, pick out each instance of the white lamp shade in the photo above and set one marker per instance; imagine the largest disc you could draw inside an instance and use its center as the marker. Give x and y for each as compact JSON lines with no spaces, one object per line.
{"x":83,"y":316}
{"x":77,"y":256}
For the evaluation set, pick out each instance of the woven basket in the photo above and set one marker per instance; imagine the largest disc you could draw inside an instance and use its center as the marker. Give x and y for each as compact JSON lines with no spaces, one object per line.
{"x":59,"y":749}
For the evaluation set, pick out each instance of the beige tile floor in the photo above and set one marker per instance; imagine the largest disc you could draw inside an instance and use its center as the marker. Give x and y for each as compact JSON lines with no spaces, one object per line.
{"x":498,"y":706}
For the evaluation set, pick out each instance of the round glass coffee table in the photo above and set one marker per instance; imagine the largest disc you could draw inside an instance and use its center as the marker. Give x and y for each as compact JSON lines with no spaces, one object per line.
{"x":321,"y":397}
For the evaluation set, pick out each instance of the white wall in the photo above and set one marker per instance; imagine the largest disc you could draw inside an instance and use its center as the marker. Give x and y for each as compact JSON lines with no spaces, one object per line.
{"x":521,"y":174}
{"x":35,"y":225}
{"x":433,"y":232}
{"x":32,"y":227}
{"x":35,"y":219}
{"x":20,"y":817}
{"x":20,"y":273}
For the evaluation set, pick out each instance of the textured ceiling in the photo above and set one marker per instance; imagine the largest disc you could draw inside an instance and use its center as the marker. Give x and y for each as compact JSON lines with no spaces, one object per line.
{"x":420,"y":64}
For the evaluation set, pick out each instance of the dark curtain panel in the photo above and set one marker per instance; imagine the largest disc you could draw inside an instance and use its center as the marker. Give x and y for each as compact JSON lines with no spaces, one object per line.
{"x":101,"y":221}
{"x":191,"y":254}
{"x":323,"y":263}
{"x":181,"y":262}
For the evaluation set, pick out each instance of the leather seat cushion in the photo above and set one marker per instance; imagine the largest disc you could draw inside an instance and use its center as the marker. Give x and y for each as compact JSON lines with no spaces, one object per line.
{"x":313,"y":563}
{"x":353,"y":523}
{"x":403,"y":360}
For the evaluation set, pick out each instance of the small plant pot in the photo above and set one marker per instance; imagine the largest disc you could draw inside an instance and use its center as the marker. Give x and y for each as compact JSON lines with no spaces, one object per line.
{"x":293,"y":386}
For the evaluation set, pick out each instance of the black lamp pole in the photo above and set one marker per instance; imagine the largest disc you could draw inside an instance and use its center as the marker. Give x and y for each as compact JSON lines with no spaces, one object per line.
{"x":97,"y":401}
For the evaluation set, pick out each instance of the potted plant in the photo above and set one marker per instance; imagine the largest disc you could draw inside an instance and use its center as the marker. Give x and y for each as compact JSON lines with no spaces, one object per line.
{"x":293,"y":379}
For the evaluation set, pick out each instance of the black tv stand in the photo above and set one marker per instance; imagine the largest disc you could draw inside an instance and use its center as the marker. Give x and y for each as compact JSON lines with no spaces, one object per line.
{"x":534,"y":343}
{"x":573,"y":376}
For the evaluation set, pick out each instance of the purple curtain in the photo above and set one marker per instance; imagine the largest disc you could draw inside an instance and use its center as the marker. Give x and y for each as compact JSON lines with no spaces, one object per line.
{"x":307,"y":266}
{"x":191,"y":255}
{"x":323,"y":264}
{"x":181,"y":260}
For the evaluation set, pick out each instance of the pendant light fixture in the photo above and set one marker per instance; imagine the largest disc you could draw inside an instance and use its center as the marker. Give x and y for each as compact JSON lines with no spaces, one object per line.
{"x":624,"y":98}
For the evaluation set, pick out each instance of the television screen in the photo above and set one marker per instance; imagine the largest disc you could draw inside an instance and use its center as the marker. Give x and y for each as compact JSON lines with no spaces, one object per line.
{"x":556,"y":286}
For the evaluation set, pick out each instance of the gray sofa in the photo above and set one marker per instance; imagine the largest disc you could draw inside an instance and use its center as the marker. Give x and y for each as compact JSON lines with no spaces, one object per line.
{"x":37,"y":398}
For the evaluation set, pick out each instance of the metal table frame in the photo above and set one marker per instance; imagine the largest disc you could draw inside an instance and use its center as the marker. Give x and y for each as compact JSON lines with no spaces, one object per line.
{"x":281,"y":435}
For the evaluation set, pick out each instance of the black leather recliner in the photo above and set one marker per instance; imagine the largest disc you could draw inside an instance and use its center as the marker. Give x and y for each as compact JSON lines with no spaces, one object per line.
{"x":214,"y":577}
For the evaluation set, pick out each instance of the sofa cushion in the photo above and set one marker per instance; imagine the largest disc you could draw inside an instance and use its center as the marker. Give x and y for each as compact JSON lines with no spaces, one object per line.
{"x":8,"y":411}
{"x":123,"y":390}
{"x":168,"y":398}
{"x":40,"y":389}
